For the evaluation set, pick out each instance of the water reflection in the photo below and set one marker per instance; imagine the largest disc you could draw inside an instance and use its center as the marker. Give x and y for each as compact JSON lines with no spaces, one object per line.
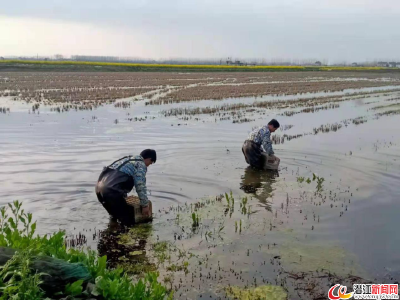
{"x":259,"y":183}
{"x":126,"y":247}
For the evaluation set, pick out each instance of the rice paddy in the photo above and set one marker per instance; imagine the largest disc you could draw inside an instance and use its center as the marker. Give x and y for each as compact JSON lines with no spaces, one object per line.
{"x":221,"y":230}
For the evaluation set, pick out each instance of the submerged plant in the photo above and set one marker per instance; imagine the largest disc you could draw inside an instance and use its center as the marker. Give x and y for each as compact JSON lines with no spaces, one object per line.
{"x":230,"y":200}
{"x":207,"y":235}
{"x":300,"y":179}
{"x":243,"y":204}
{"x":320,"y":181}
{"x":231,"y":204}
{"x":162,"y":251}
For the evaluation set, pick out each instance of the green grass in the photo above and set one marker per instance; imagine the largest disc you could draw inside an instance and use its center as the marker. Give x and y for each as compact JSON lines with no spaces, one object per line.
{"x":19,"y":281}
{"x":33,"y":65}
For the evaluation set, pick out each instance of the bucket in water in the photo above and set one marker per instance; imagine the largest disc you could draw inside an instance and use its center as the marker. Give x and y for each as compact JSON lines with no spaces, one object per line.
{"x":135,"y":203}
{"x":271,"y":162}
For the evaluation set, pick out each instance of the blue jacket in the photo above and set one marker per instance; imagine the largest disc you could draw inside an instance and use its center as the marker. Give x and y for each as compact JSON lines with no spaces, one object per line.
{"x":137,"y":169}
{"x":262,"y":137}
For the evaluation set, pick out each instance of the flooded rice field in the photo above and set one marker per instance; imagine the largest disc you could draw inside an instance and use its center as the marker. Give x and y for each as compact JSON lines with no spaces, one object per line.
{"x":221,"y":229}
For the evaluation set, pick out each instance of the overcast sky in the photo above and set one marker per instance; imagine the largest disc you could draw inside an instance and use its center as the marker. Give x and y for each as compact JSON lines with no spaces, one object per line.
{"x":334,"y":30}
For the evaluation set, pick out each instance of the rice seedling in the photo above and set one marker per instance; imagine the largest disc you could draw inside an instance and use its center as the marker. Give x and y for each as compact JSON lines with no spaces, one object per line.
{"x":327,"y":128}
{"x":393,"y":99}
{"x":195,"y":220}
{"x":87,"y":91}
{"x":385,"y":106}
{"x":286,"y":127}
{"x":244,"y":120}
{"x":239,"y":112}
{"x":243,"y":206}
{"x":359,"y":120}
{"x":388,"y":113}
{"x":219,"y":92}
{"x":215,"y":233}
{"x":230,"y":200}
{"x":123,"y":104}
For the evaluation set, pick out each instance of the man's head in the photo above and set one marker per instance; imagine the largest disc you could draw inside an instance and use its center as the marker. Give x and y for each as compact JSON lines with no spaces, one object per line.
{"x":273,"y":125}
{"x":149,"y":156}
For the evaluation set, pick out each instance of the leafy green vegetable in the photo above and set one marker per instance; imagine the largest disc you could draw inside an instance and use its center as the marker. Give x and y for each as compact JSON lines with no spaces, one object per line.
{"x":18,"y":281}
{"x":74,"y":289}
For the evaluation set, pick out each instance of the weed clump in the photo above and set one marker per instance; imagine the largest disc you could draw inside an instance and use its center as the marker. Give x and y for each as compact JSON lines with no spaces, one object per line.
{"x":318,"y":179}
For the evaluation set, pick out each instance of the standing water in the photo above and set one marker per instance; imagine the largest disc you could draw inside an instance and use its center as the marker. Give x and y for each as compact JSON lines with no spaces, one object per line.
{"x":221,"y":227}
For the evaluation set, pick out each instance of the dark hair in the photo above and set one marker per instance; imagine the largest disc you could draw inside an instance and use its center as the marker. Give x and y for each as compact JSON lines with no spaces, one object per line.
{"x":149,"y":153}
{"x":274,"y":123}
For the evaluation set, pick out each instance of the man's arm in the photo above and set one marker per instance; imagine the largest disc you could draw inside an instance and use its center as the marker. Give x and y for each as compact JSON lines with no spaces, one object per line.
{"x":140,"y":185}
{"x":267,"y":144}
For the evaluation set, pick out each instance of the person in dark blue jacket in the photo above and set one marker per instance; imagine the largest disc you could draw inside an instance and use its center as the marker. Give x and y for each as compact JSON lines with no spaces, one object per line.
{"x":119,"y":178}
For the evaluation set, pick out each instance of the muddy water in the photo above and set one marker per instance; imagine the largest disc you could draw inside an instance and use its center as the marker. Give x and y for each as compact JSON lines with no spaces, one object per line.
{"x":51,"y":161}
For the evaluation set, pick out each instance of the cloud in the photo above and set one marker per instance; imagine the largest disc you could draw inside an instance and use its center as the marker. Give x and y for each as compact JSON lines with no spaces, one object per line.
{"x":287,"y":29}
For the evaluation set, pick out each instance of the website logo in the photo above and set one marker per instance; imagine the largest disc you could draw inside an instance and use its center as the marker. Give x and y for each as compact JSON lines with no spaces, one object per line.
{"x":340,"y":294}
{"x":365,"y":291}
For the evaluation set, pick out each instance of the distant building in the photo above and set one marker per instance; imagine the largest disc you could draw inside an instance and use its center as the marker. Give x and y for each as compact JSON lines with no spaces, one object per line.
{"x":234,"y":63}
{"x":382,"y":64}
{"x":354,"y":64}
{"x":393,"y":64}
{"x":318,"y":63}
{"x":1,"y":58}
{"x":95,"y":58}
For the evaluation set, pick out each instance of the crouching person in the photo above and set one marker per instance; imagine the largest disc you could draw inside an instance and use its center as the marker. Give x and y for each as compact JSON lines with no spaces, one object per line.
{"x":118,"y":179}
{"x":257,"y":148}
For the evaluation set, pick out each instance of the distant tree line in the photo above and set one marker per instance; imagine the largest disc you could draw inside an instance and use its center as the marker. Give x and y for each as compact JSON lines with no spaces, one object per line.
{"x":213,"y":61}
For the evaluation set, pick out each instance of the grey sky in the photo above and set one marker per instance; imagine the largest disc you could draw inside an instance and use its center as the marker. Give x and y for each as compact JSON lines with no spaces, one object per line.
{"x":272,"y":29}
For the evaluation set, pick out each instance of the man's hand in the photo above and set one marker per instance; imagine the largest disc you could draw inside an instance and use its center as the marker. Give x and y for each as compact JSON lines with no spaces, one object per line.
{"x":271,"y":158}
{"x":146,"y":211}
